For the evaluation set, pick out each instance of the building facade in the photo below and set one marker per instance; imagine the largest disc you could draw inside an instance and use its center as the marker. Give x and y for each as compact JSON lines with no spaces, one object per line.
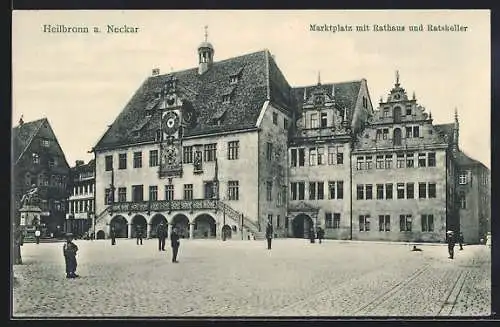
{"x":81,"y":203}
{"x":221,"y":149}
{"x":38,"y":160}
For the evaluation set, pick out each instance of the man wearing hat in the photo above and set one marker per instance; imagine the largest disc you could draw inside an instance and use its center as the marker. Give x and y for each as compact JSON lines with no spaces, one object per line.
{"x":69,"y":251}
{"x":450,"y":239}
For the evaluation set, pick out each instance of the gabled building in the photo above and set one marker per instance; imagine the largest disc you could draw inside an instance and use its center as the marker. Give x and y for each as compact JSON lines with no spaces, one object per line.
{"x":39,"y":160}
{"x":80,"y":209}
{"x":204,"y":149}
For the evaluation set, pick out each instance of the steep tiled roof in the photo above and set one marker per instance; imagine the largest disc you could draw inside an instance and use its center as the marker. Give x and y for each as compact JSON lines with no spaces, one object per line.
{"x":445,"y":131}
{"x":22,"y":135}
{"x":345,"y":94}
{"x":259,"y":80}
{"x":464,"y":160}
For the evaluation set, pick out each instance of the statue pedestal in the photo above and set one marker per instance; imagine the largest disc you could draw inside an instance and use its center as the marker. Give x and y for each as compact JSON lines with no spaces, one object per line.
{"x":30,"y":216}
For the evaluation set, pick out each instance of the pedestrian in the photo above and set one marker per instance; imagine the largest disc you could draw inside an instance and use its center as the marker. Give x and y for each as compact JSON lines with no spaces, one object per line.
{"x":450,"y":239}
{"x":69,"y":250}
{"x":113,"y":235}
{"x":37,"y":236}
{"x":321,"y":234}
{"x":460,"y":240}
{"x":312,"y":235}
{"x":174,"y":242}
{"x":138,"y":234}
{"x":162,"y":234}
{"x":269,"y":234}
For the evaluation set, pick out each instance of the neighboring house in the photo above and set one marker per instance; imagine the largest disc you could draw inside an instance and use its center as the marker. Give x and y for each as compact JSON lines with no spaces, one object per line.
{"x":80,"y":209}
{"x":39,"y":160}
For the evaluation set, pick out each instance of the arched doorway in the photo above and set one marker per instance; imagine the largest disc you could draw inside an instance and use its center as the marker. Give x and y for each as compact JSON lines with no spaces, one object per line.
{"x":204,"y":226}
{"x":139,"y":222}
{"x":181,"y":222}
{"x":301,"y":226}
{"x":396,"y":138}
{"x":155,"y":221}
{"x":120,"y":225}
{"x":396,"y":113}
{"x":226,"y":232}
{"x":100,"y":235}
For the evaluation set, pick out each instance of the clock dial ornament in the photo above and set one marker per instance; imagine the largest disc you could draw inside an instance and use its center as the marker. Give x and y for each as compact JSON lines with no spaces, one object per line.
{"x":170,"y":123}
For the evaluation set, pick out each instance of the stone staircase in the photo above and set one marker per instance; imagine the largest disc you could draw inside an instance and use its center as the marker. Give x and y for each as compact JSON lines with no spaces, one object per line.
{"x":249,"y":225}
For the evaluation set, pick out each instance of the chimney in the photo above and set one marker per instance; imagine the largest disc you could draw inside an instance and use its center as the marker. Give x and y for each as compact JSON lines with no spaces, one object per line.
{"x":155,"y":72}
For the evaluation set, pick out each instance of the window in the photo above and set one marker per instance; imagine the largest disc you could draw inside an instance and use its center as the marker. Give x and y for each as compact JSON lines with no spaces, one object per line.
{"x":137,"y":159}
{"x":233,"y":150}
{"x":188,"y":191}
{"x":360,"y":163}
{"x":369,"y":162}
{"x":122,"y":194}
{"x":397,"y":137}
{"x":233,"y":190}
{"x":340,"y":155}
{"x":462,"y":178}
{"x":45,"y":143}
{"x":380,"y":191}
{"x":365,"y":102}
{"x":340,"y":189}
{"x":169,"y":192}
{"x":396,"y":114}
{"x":331,"y":155}
{"x":108,"y":162}
{"x":302,"y":157}
{"x":416,"y":131}
{"x":427,"y":223}
{"x":312,"y":156}
{"x":431,"y":159}
{"x":386,"y":112}
{"x":321,"y":190}
{"x":293,"y":158}
{"x":369,"y":192}
{"x":314,"y":120}
{"x":400,"y":160}
{"x":421,"y":159}
{"x":385,"y":133}
{"x":364,"y":223}
{"x":312,"y":190}
{"x":408,"y":111}
{"x":405,"y":223}
{"x":321,"y":156}
{"x":384,"y":223}
{"x":302,"y":190}
{"x":275,"y":118}
{"x":226,"y":98}
{"x":153,"y":158}
{"x":158,"y":136}
{"x":360,"y":192}
{"x":278,"y":221}
{"x":422,"y":190}
{"x":153,"y":193}
{"x":210,"y":151}
{"x":379,"y":162}
{"x":378,"y":135}
{"x":409,"y":132}
{"x":293,"y":190}
{"x":410,"y":190}
{"x":336,"y":220}
{"x":328,"y":220}
{"x":137,"y":193}
{"x":279,"y":200}
{"x":331,"y":190}
{"x":401,"y":190}
{"x":269,"y":191}
{"x":410,"y":160}
{"x":269,"y":151}
{"x":432,"y":190}
{"x":122,"y":161}
{"x":324,"y":120}
{"x":52,"y":162}
{"x":187,"y":154}
{"x":388,"y":161}
{"x":233,"y":79}
{"x":285,"y":123}
{"x":463,"y":200}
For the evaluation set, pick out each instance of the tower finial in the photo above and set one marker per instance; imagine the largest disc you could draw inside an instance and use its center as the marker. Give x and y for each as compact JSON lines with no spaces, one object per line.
{"x":319,"y":77}
{"x":456,"y":115}
{"x":397,"y":77}
{"x":206,"y":33}
{"x":413,"y":95}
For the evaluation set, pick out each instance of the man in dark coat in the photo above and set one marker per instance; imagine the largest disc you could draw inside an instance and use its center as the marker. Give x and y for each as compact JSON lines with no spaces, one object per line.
{"x":450,"y":239}
{"x":174,"y":242}
{"x":112,"y":233}
{"x":269,"y":234}
{"x":460,"y":240}
{"x":138,"y":234}
{"x":161,"y":232}
{"x":69,"y":251}
{"x":321,"y":234}
{"x":312,"y":235}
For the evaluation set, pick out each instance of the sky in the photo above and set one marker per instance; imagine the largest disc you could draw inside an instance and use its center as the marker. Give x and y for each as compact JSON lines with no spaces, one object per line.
{"x":82,"y":81}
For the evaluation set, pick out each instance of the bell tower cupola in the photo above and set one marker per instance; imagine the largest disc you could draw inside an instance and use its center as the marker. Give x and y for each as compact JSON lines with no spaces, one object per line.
{"x":205,"y":54}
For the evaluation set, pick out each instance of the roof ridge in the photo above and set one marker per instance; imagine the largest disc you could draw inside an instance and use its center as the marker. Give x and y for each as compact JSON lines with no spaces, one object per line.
{"x":328,"y":84}
{"x":41,"y":121}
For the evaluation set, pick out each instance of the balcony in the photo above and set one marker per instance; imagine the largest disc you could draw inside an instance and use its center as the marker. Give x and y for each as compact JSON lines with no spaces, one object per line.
{"x":165,"y":205}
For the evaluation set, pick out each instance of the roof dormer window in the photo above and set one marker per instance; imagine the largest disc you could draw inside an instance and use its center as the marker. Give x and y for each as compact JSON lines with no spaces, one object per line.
{"x":226,"y":98}
{"x":234,"y":79}
{"x":45,"y":143}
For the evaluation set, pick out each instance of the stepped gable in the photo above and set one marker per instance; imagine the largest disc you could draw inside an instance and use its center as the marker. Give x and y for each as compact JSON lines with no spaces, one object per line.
{"x":259,"y":79}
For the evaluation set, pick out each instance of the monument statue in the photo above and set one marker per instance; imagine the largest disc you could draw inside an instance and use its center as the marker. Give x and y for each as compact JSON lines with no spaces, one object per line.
{"x":197,"y":161}
{"x":31,"y":198}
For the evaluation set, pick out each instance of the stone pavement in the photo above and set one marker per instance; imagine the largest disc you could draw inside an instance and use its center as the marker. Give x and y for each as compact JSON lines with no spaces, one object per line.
{"x":243,"y":278}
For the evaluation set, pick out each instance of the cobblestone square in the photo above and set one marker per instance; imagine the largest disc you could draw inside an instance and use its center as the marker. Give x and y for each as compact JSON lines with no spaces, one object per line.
{"x":243,"y":278}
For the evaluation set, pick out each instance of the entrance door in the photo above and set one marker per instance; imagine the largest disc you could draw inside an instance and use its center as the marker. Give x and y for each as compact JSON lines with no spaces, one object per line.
{"x":301,"y":226}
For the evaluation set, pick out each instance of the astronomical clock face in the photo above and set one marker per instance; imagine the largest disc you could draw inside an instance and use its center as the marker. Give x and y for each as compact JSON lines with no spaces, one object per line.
{"x":170,"y":122}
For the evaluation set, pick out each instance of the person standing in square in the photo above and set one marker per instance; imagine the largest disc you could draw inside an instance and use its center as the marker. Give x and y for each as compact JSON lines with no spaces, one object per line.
{"x":37,"y":236}
{"x":69,"y":250}
{"x":162,"y":234}
{"x":450,"y":239}
{"x":113,"y":235}
{"x":174,"y":242}
{"x":269,"y":234}
{"x":138,"y":234}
